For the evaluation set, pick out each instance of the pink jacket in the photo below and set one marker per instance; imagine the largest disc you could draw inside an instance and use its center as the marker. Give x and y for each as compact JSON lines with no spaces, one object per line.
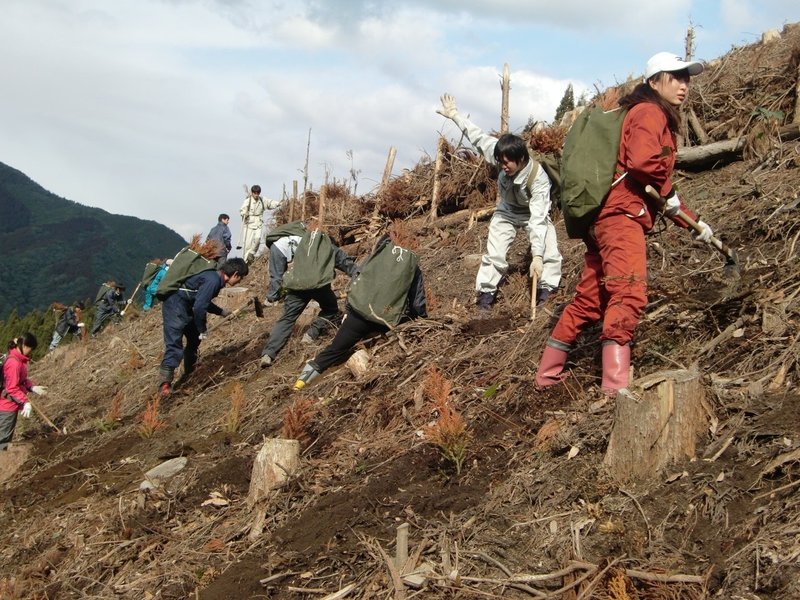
{"x":15,"y":381}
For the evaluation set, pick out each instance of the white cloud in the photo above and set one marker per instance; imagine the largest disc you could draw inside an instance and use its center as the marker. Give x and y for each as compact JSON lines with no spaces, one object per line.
{"x":164,"y":108}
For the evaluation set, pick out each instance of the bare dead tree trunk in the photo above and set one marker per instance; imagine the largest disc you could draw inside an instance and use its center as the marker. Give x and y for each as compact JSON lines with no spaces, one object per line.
{"x":323,"y":194}
{"x":293,"y":201}
{"x":387,"y":173}
{"x":796,"y":118}
{"x":505,"y":86}
{"x":689,"y":42}
{"x":437,"y":176}
{"x":305,"y":173}
{"x":726,"y":150}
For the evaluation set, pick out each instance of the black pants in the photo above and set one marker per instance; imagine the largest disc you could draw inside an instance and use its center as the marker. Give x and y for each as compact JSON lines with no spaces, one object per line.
{"x":293,"y":306}
{"x":8,"y":422}
{"x":354,"y":329}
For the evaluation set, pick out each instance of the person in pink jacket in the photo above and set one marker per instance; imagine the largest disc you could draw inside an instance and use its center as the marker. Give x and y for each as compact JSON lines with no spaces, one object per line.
{"x":16,"y":385}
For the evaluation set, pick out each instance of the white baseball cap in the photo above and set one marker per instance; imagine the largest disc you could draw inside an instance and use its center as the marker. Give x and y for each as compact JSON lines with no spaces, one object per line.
{"x":667,"y":61}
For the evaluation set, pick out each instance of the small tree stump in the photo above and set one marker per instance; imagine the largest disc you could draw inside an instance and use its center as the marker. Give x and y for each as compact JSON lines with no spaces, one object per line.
{"x":358,"y":363}
{"x":656,"y":425}
{"x":276,"y":460}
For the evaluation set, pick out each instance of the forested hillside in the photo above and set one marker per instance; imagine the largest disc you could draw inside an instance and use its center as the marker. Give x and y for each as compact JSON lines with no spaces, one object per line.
{"x":58,"y":250}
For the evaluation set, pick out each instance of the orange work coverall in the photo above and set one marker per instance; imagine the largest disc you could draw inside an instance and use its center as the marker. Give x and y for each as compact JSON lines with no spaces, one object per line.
{"x":613,"y":285}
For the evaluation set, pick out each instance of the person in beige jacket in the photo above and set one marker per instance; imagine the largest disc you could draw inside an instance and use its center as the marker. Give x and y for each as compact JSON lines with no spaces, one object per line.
{"x":252,"y":213}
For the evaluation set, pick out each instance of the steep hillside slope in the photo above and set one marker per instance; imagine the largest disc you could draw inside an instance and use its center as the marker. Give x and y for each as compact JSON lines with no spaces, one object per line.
{"x":63,"y":251}
{"x":533,"y":514}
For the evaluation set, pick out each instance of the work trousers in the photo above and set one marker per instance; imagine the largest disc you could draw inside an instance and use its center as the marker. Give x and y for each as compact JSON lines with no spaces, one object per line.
{"x":8,"y":422}
{"x":613,"y":285}
{"x":502,"y":232}
{"x":102,"y":313}
{"x":354,"y":328}
{"x":178,"y":318}
{"x":293,"y":306}
{"x":277,"y":268}
{"x":251,"y":241}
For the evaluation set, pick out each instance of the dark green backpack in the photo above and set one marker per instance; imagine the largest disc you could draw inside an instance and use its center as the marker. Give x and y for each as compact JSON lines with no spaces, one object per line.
{"x":186,"y":263}
{"x":380,"y":292}
{"x":150,"y":270}
{"x":313,"y":264}
{"x":552,"y":166}
{"x":588,"y":165}
{"x":104,"y":287}
{"x":291,"y":228}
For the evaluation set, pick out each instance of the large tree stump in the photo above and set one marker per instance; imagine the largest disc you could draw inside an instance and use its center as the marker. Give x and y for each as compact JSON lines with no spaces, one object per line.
{"x":656,"y":425}
{"x":275,"y":462}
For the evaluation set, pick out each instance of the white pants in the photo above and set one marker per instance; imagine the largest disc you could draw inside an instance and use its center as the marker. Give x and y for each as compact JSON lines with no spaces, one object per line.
{"x":251,"y":242}
{"x":502,"y":231}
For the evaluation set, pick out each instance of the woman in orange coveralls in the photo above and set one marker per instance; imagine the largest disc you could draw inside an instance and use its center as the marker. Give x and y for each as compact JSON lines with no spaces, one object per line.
{"x":613,"y":285}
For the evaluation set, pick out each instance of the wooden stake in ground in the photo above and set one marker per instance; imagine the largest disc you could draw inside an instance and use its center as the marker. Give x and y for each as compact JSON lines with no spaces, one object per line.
{"x":534,"y":282}
{"x":657,"y":424}
{"x":305,"y":174}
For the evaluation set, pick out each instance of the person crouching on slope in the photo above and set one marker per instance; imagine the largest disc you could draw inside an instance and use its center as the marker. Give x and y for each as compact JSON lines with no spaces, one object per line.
{"x":184,"y":313}
{"x":315,"y":259}
{"x":391,"y":283}
{"x":16,"y":385}
{"x":613,"y":285}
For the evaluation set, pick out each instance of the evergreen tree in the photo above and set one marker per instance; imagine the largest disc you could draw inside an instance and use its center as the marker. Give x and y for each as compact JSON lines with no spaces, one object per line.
{"x":567,"y":104}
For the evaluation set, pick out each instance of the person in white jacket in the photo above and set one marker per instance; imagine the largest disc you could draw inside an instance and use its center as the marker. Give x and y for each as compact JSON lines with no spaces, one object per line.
{"x":524,"y":203}
{"x":252,"y":213}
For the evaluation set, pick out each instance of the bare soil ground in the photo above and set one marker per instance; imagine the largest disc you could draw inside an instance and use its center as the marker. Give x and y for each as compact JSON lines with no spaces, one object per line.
{"x":533,"y":513}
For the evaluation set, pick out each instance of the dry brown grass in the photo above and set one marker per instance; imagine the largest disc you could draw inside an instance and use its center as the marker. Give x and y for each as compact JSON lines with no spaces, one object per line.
{"x":233,"y":418}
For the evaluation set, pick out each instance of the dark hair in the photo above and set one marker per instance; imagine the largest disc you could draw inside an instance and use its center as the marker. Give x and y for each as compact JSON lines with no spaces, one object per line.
{"x":27,"y":339}
{"x":644,"y":93}
{"x":256,"y":189}
{"x":222,"y":216}
{"x":235,"y":265}
{"x":511,"y":147}
{"x":79,"y":305}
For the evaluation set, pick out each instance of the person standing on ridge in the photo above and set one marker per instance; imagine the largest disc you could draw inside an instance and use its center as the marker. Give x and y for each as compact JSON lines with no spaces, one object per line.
{"x":252,"y":213}
{"x":613,"y":284}
{"x":524,"y":190}
{"x":222,"y":233}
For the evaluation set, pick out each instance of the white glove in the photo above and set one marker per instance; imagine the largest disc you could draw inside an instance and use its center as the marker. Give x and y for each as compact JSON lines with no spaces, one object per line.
{"x":673,"y":205}
{"x":81,"y":324}
{"x":39,"y":390}
{"x":705,"y":235}
{"x":26,"y":410}
{"x":449,"y":108}
{"x":536,"y":267}
{"x":203,"y":336}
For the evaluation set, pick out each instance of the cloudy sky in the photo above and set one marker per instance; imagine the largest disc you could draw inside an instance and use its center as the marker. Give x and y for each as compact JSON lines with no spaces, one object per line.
{"x":163,"y":109}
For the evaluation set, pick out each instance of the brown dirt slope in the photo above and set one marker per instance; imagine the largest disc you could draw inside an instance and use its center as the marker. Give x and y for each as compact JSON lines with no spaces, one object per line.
{"x":532,"y":513}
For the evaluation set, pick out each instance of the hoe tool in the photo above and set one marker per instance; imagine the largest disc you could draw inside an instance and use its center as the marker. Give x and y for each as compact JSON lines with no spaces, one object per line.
{"x":732,"y":266}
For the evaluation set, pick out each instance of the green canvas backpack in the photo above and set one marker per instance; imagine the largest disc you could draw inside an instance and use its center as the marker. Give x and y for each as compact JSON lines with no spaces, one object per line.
{"x":380,"y":292}
{"x":552,"y":166}
{"x":150,"y":270}
{"x":104,"y":287}
{"x":291,"y":228}
{"x":186,"y":263}
{"x":588,"y":165}
{"x":313,"y":264}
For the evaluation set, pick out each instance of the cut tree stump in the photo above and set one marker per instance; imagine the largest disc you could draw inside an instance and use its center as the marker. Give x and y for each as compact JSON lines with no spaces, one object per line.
{"x":658,"y":424}
{"x":275,"y":462}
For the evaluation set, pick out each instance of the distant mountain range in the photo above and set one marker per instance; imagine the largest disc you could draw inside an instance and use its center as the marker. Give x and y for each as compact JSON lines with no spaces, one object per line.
{"x":56,"y":250}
